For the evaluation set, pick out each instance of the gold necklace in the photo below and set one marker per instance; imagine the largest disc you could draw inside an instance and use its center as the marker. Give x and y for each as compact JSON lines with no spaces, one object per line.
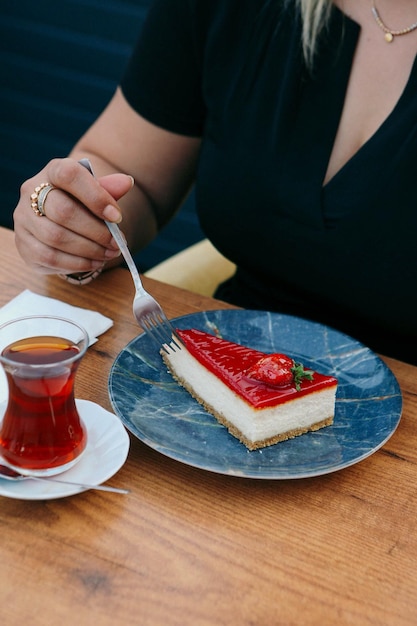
{"x":390,"y":34}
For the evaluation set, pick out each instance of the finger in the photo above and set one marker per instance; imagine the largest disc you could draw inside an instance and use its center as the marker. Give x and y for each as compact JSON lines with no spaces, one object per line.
{"x":48,"y":260}
{"x":71,"y":177}
{"x":70,"y":223}
{"x":51,"y":248}
{"x":76,"y":231}
{"x":117,"y":184}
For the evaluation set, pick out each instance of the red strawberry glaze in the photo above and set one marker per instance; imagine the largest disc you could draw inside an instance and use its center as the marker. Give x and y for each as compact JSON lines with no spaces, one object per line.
{"x":229,"y":361}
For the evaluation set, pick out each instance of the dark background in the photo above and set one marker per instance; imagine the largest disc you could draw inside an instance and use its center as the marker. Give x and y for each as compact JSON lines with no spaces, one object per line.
{"x":60,"y":61}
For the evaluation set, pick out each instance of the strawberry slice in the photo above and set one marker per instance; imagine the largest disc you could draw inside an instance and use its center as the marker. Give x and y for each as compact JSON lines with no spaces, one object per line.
{"x":279,"y":370}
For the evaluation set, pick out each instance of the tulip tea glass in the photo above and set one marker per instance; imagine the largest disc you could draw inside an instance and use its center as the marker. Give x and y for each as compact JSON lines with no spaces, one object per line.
{"x":41,"y":432}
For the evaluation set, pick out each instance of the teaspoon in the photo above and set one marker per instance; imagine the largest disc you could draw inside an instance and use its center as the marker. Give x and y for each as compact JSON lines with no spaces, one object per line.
{"x":10,"y":474}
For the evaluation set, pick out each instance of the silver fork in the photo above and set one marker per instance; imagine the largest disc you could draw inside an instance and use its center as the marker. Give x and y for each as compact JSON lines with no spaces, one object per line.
{"x":146,"y":310}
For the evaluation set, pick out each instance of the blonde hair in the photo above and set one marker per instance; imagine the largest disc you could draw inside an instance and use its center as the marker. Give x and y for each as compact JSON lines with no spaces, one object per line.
{"x":314,"y":17}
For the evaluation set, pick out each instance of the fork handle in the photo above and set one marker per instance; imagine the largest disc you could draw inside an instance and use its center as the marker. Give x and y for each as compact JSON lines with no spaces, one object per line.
{"x":118,"y":237}
{"x":81,"y":485}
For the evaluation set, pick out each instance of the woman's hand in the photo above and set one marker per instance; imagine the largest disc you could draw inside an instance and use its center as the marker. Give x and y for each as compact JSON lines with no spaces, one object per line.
{"x":71,"y":236}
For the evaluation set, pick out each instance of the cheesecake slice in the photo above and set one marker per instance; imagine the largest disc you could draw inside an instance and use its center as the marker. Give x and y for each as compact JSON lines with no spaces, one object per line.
{"x":260,"y":398}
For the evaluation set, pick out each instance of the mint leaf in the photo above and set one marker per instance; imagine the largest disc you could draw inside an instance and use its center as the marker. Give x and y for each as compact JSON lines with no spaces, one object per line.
{"x":300,"y":374}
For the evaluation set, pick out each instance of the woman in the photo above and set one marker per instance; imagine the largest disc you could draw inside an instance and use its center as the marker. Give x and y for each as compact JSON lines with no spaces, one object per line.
{"x":297,"y":120}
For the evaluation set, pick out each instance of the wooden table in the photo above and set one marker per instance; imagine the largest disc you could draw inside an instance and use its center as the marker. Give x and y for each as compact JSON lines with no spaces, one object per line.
{"x":187,"y":547}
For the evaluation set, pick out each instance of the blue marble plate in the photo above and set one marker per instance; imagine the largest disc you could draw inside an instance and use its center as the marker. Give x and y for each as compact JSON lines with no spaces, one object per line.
{"x":164,"y":416}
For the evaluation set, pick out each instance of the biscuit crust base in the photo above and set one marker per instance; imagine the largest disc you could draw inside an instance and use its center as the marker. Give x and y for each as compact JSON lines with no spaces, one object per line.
{"x":255,"y":445}
{"x":251,"y":445}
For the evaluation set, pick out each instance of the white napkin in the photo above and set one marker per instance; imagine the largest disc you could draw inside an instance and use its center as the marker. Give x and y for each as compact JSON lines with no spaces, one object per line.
{"x":29,"y":303}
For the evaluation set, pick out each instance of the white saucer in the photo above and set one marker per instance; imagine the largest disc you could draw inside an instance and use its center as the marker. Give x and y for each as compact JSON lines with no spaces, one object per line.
{"x":105,"y":453}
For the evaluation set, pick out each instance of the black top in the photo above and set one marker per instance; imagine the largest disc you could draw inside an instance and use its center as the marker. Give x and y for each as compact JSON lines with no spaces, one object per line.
{"x":343,"y":253}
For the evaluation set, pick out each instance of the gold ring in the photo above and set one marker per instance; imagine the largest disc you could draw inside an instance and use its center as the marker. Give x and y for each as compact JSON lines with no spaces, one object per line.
{"x":38,"y":198}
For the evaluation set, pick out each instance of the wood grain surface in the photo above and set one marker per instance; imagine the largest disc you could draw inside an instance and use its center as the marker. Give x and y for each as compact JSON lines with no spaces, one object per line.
{"x":188,"y":547}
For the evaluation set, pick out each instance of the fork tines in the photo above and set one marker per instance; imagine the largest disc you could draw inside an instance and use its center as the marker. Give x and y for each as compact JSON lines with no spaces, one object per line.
{"x":159,"y":328}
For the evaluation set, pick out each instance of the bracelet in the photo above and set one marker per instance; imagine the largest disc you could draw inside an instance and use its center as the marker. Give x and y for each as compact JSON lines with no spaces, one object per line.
{"x":82,"y":278}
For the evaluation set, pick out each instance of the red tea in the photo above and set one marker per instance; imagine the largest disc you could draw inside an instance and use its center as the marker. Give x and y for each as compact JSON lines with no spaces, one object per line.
{"x":41,"y":428}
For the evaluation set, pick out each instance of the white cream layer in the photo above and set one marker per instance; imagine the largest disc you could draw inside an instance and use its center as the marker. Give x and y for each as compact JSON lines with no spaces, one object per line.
{"x":254,"y":424}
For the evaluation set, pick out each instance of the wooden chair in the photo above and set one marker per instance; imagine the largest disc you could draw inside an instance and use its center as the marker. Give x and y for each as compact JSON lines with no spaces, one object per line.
{"x":199,"y":268}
